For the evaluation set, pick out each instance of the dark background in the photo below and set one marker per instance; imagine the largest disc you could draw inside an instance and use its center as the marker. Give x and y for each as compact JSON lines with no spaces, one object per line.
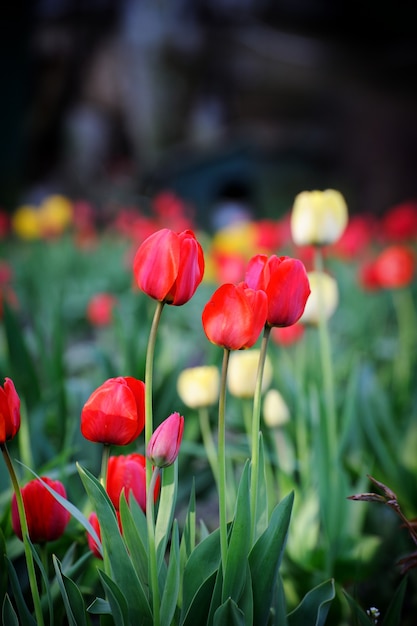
{"x":111,"y":101}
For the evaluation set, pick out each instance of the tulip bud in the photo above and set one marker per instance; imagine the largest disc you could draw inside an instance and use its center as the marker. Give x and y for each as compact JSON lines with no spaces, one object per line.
{"x":318,"y":217}
{"x":164,"y":445}
{"x":275,"y":410}
{"x":9,"y":411}
{"x":324,"y":297}
{"x":242,"y":373}
{"x":199,"y":386}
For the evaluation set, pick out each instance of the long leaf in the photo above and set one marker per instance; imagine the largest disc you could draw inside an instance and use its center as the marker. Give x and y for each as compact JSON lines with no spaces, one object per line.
{"x":166,"y":509}
{"x":117,"y":601}
{"x":25,"y":616}
{"x":265,"y":559}
{"x":393,"y":614}
{"x":71,"y":596}
{"x":172,"y":584}
{"x":314,"y":607}
{"x":229,"y":614}
{"x":239,"y":543}
{"x":124,"y":573}
{"x":357,"y":612}
{"x":261,"y":521}
{"x":133,"y":539}
{"x":8,"y":614}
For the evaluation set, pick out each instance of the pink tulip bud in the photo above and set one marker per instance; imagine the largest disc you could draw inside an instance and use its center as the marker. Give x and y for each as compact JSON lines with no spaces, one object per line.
{"x":165,"y":442}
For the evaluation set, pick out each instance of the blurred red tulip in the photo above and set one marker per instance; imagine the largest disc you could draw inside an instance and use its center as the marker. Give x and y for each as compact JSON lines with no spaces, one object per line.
{"x":234,"y":316}
{"x":115,"y":412}
{"x":128,"y":472}
{"x":287,"y":335}
{"x":285,"y":283}
{"x":169,"y":266}
{"x":164,"y":445}
{"x":399,"y":223}
{"x":356,"y":237}
{"x":93,"y":519}
{"x":100,"y":309}
{"x":394,"y":267}
{"x":46,"y":517}
{"x":9,"y":411}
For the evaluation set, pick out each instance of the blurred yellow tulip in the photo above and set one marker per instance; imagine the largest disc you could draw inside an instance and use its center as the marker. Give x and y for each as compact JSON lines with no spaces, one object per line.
{"x":318,"y":217}
{"x":324,"y":295}
{"x":25,"y":222}
{"x":275,"y":410}
{"x":199,"y":386}
{"x":242,"y":373}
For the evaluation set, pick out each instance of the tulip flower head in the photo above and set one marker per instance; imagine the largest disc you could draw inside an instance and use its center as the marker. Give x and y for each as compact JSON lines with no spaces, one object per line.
{"x":275,"y":410}
{"x":169,"y":266}
{"x":394,"y":267}
{"x":242,"y":373}
{"x":318,"y":217}
{"x":234,"y":316}
{"x":127,"y":472}
{"x":9,"y":411}
{"x":115,"y":412}
{"x":100,"y":309}
{"x":46,"y":517}
{"x":324,"y":297}
{"x":164,"y":445}
{"x":199,"y":386}
{"x":285,"y":283}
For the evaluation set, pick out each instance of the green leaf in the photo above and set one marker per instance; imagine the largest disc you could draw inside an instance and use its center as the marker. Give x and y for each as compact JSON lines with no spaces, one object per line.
{"x":199,"y":578}
{"x":261,"y":521}
{"x":229,"y":614}
{"x":124,"y":574}
{"x":72,"y":597}
{"x":172,"y":584}
{"x":25,"y":616}
{"x":393,"y":614}
{"x":314,"y":607}
{"x":99,"y":606}
{"x":265,"y":559}
{"x":117,"y":601}
{"x":133,"y":539}
{"x":167,"y":502}
{"x":357,"y":612}
{"x":8,"y":614}
{"x":189,"y":531}
{"x":239,"y":543}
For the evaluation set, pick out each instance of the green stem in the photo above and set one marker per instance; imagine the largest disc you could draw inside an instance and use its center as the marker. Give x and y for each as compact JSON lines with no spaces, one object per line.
{"x":222,"y":460}
{"x":105,"y":455}
{"x":204,"y":418}
{"x":150,"y":352}
{"x":25,"y":536}
{"x":406,"y":320}
{"x":153,"y":567}
{"x":256,"y":428}
{"x":329,"y":422}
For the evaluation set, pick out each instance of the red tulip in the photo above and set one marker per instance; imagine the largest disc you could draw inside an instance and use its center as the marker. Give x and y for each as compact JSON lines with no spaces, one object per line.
{"x":115,"y":412}
{"x":394,"y":267}
{"x":285,"y":283}
{"x":287,"y":335}
{"x":234,"y":316}
{"x":46,"y":517}
{"x":9,"y":411}
{"x":100,"y":309}
{"x":169,"y":266}
{"x":93,"y":519}
{"x":399,"y":223}
{"x":164,"y":445}
{"x":128,"y":472}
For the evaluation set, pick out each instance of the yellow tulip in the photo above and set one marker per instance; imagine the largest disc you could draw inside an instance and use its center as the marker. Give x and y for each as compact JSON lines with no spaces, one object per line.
{"x":324,"y":295}
{"x":199,"y":386}
{"x":318,"y":217}
{"x":275,"y":410}
{"x":26,"y":223}
{"x":242,"y":373}
{"x":55,"y":214}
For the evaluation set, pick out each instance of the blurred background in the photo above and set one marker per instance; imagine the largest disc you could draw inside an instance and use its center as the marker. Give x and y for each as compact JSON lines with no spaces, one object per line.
{"x":219,"y":100}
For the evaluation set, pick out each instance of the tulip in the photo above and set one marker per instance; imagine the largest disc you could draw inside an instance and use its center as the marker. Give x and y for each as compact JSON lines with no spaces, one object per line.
{"x":199,"y":386}
{"x":285,"y":283}
{"x":9,"y":411}
{"x":164,"y":445}
{"x":169,"y":266}
{"x":115,"y":412}
{"x":100,"y":309}
{"x":324,"y":297}
{"x":287,"y":335}
{"x":242,"y":373}
{"x":275,"y":410}
{"x":93,"y":519}
{"x":127,"y":472}
{"x":394,"y":267}
{"x":234,"y":316}
{"x":318,"y":217}
{"x":46,"y":517}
